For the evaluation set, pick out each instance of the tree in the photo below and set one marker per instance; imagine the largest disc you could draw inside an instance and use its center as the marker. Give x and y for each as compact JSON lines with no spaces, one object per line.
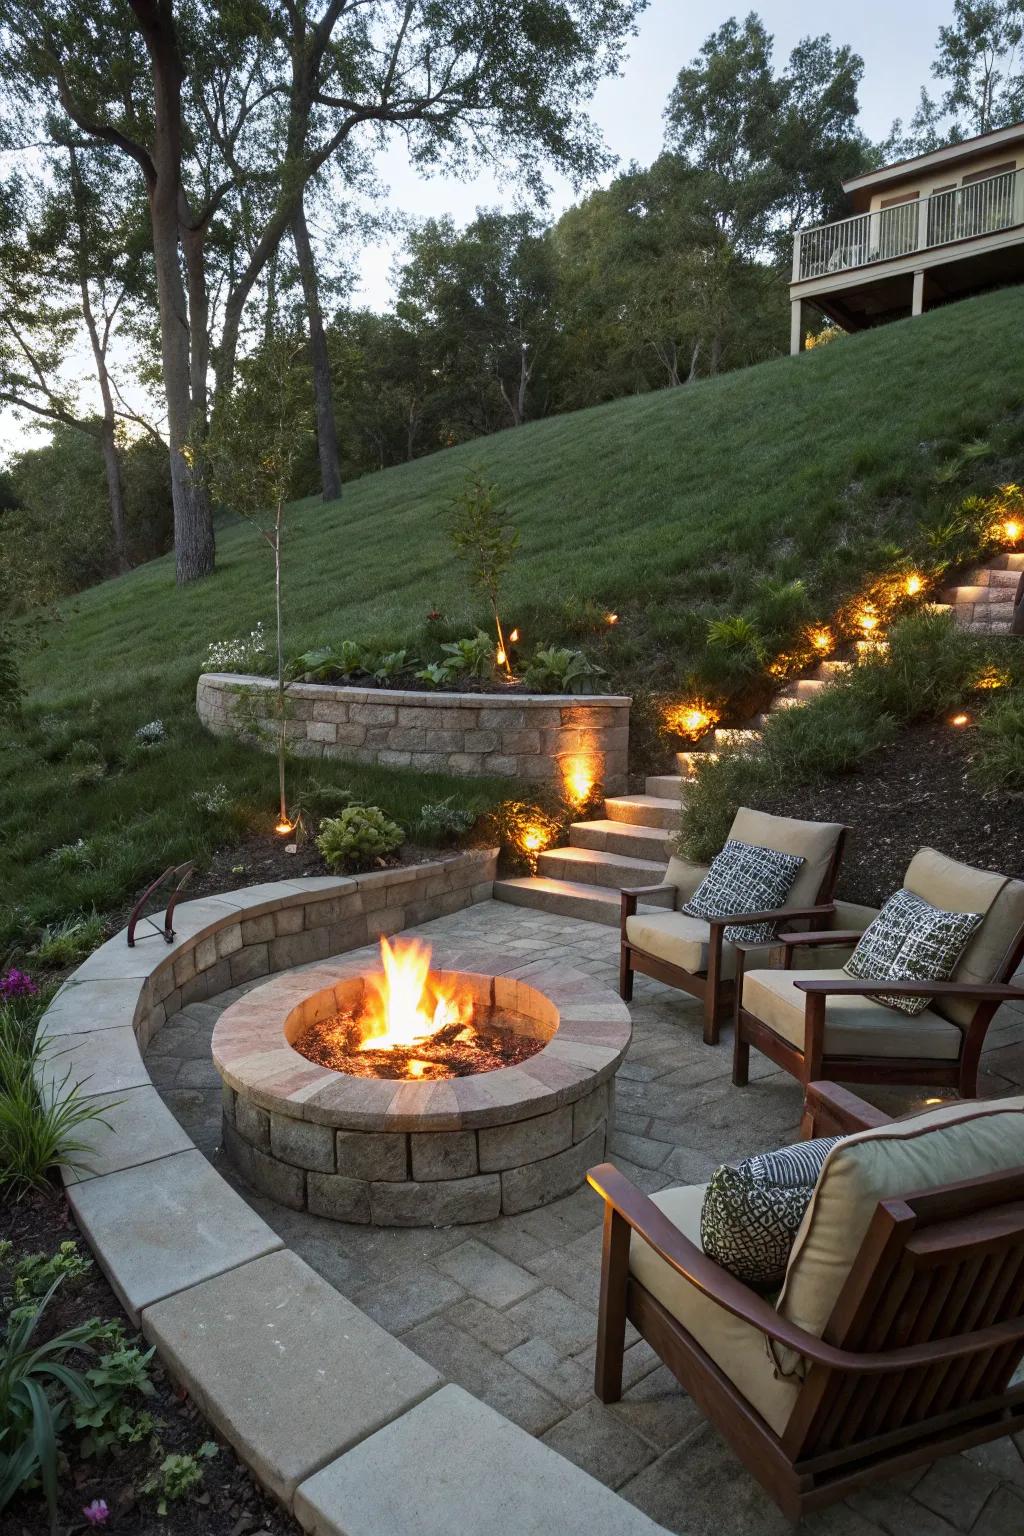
{"x":256,"y":436}
{"x":980,"y":64}
{"x":69,"y":256}
{"x":771,"y":149}
{"x":481,"y":538}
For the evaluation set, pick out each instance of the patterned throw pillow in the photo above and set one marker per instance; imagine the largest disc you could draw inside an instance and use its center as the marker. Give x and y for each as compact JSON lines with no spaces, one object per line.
{"x":743,"y":878}
{"x":752,"y":1209}
{"x":910,"y":940}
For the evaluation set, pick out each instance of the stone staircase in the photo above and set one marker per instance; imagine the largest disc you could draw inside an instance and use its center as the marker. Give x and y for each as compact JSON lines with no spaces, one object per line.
{"x":628,"y":846}
{"x":984,"y":603}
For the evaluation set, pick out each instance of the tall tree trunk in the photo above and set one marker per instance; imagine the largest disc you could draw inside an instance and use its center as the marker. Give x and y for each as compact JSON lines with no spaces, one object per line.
{"x":326,"y":425}
{"x":115,"y":492}
{"x":193,"y":521}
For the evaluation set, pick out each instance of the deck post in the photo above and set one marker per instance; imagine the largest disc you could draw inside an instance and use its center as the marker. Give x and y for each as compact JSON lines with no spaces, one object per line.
{"x":796,"y":328}
{"x":917,"y":304}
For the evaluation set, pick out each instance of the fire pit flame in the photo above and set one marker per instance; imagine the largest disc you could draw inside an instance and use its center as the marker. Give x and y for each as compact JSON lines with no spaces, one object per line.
{"x":403,"y":1006}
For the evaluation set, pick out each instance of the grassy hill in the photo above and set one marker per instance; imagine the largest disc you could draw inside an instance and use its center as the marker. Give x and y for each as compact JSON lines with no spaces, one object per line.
{"x":668,"y":508}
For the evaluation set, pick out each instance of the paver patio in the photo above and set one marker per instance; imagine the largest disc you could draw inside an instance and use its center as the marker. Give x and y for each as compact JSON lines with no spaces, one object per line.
{"x":507,"y":1309}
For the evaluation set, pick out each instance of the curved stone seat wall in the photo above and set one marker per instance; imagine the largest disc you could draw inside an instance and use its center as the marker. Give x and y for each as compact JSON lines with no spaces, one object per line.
{"x":539,"y":738}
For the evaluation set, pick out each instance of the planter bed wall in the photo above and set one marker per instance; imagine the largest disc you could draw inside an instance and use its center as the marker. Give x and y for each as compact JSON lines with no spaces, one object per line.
{"x":538,"y":738}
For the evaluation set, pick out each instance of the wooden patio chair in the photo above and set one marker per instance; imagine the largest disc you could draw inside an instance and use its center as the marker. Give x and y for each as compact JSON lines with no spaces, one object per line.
{"x":823,"y":1024}
{"x":898,"y":1333}
{"x":691,"y":953}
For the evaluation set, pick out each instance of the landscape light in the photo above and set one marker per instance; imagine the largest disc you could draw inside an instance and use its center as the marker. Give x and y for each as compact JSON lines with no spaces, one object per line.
{"x":960,"y":719}
{"x":579,"y":781}
{"x":867,"y":620}
{"x":611,"y":618}
{"x":692,"y":718}
{"x":513,"y":637}
{"x":284,"y":827}
{"x":1012,"y":530}
{"x":821,"y":639}
{"x":913,"y":585}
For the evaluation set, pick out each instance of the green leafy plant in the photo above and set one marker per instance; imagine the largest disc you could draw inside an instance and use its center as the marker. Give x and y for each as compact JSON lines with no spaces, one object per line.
{"x":482,"y":538}
{"x":357,"y":838}
{"x":120,"y":1375}
{"x":385,"y":667}
{"x":443,"y":823}
{"x":38,"y":1385}
{"x":70,"y":857}
{"x":34,"y":1273}
{"x":323,"y":799}
{"x":177,"y":1475}
{"x":69,"y":941}
{"x":721,"y":784}
{"x":556,"y":669}
{"x":38,"y":1133}
{"x":998,"y":760}
{"x":434,"y":675}
{"x":928,"y":667}
{"x":474,"y":656}
{"x":317,"y":666}
{"x":833,"y":734}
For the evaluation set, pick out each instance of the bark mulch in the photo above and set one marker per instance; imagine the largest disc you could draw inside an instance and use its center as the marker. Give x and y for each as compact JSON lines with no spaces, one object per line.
{"x":911,"y":794}
{"x":228,"y":1503}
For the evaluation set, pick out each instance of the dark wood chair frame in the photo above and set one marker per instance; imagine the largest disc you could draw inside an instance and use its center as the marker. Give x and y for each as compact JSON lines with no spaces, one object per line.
{"x":710,"y":987}
{"x":812,"y":1062}
{"x":915,"y":1362}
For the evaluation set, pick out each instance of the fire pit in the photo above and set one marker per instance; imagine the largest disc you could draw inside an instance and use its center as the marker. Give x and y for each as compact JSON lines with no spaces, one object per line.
{"x":420,"y":1095}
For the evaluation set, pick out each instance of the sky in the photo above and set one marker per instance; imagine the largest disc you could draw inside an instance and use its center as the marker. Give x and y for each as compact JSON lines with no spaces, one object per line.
{"x":896,"y":41}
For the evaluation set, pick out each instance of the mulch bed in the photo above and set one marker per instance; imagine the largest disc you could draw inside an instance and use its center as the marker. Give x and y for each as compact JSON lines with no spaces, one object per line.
{"x":912,"y":794}
{"x":228,"y":1503}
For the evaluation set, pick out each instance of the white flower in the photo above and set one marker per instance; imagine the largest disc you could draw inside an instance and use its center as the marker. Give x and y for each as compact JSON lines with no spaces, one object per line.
{"x":151,"y":733}
{"x":236,"y":655}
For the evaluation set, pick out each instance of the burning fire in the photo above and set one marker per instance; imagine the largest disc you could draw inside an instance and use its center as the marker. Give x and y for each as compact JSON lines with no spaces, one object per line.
{"x":405,"y":1005}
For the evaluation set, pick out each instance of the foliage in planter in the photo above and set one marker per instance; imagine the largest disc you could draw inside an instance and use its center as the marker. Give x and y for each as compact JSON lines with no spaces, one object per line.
{"x":69,"y":941}
{"x":443,"y":823}
{"x":928,"y":667}
{"x":481,"y":537}
{"x":830,"y":735}
{"x":998,"y":761}
{"x":474,"y":656}
{"x":522,"y":829}
{"x":358,"y":838}
{"x":556,"y":669}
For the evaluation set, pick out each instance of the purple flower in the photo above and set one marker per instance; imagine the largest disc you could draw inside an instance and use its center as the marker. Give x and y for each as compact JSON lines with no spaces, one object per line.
{"x":15,"y":983}
{"x":97,"y":1512}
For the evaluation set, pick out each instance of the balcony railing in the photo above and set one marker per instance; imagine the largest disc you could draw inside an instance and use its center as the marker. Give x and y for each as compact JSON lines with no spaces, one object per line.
{"x":980,"y":208}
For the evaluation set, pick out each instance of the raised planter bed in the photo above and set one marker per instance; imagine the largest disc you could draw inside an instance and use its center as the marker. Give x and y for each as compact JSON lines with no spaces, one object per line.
{"x":538,"y":738}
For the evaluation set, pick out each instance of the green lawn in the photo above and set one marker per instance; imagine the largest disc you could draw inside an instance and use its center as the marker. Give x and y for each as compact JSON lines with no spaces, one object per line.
{"x":667,"y":508}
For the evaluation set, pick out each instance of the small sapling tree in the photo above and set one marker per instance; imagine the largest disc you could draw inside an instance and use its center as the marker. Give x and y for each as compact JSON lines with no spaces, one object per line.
{"x":257,"y":435}
{"x":481,"y":537}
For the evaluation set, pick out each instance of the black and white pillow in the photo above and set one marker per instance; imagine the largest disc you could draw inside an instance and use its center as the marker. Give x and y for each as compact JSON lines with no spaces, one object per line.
{"x":910,"y":940}
{"x":744,"y":878}
{"x":752,"y":1209}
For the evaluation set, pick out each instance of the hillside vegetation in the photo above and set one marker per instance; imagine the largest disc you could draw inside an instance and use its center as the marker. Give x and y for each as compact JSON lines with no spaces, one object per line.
{"x":668,"y":508}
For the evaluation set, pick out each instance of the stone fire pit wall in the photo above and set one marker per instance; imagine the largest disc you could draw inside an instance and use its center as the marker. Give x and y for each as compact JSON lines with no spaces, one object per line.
{"x":425,"y":1154}
{"x":535,"y":737}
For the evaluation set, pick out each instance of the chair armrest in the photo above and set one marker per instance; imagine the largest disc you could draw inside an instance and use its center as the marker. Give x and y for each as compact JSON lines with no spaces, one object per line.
{"x":834,"y":1110}
{"x":629,"y":899}
{"x":773,"y":914}
{"x":981,"y":991}
{"x":662,"y":1235}
{"x":814,"y":940}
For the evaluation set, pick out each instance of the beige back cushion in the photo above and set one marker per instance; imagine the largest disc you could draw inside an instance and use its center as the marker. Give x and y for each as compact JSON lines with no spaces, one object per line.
{"x":960,"y":888}
{"x":814,"y":841}
{"x":963,"y":1140}
{"x":684,"y":875}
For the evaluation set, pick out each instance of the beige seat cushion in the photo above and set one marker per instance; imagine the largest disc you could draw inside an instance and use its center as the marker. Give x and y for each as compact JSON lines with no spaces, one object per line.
{"x":683,"y":941}
{"x":814,"y":841}
{"x":961,"y":888}
{"x":854,"y":1026}
{"x":735,"y":1347}
{"x":963,"y":1140}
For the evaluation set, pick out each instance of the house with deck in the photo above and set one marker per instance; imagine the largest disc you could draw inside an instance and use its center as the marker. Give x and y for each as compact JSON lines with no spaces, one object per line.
{"x":922,"y":232}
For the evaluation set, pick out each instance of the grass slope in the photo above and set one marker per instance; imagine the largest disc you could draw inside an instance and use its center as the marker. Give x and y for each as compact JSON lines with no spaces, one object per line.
{"x":666,"y":507}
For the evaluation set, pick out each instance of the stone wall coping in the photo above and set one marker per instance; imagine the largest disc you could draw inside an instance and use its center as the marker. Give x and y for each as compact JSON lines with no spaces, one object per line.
{"x":180,"y":1246}
{"x":439,"y":698}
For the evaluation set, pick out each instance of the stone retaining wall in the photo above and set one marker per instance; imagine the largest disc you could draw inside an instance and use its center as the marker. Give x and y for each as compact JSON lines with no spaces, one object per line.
{"x":212,"y":1285}
{"x":539,"y":738}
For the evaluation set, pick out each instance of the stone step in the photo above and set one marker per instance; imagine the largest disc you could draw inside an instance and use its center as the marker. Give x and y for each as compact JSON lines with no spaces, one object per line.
{"x":800,"y":691}
{"x":985,"y":626}
{"x":989,"y":576}
{"x":636,"y":842}
{"x":1011,"y":561}
{"x":988,"y":595}
{"x":646,"y":810}
{"x":566,"y":898}
{"x":687,"y":762}
{"x":828,"y":671}
{"x":663,"y":786}
{"x":591,"y":866}
{"x":730,"y":737}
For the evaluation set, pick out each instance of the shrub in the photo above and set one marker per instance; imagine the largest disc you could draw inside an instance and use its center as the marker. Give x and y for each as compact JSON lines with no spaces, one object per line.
{"x":69,"y":941}
{"x":323,"y":799}
{"x":928,"y":667}
{"x":443,"y":823}
{"x":831,"y":734}
{"x":152,"y":734}
{"x":358,"y":837}
{"x":998,"y":762}
{"x":388,"y":665}
{"x":720,"y":786}
{"x":474,"y":656}
{"x":246,"y":654}
{"x":71,"y":857}
{"x":555,"y":669}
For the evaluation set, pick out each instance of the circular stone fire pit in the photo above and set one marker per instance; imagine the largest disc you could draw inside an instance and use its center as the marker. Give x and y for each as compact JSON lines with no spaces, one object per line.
{"x":405,"y":1152}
